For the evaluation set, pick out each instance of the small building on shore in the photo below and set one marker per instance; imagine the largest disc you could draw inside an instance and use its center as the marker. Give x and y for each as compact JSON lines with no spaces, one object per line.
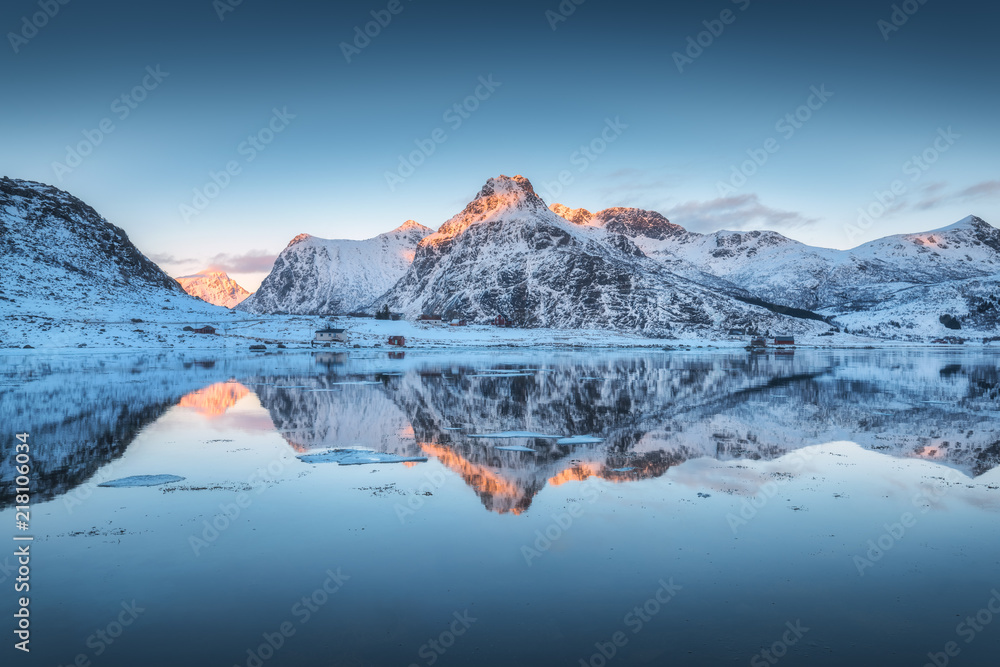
{"x":784,"y":341}
{"x":330,"y":335}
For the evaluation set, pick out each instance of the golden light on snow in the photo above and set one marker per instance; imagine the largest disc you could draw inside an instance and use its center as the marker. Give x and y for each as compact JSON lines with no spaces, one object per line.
{"x":214,"y":400}
{"x":505,"y":496}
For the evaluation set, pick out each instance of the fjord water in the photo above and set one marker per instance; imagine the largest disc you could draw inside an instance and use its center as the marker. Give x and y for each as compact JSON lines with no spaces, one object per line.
{"x":827,"y":507}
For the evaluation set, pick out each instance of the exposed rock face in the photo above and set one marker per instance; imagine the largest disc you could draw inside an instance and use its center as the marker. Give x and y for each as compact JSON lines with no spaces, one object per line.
{"x":58,"y":250}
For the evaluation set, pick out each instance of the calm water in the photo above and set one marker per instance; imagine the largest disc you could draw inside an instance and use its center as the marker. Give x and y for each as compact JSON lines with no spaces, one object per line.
{"x":829,"y":508}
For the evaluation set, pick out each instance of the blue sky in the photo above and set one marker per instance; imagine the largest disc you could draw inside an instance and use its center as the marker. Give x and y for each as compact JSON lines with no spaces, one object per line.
{"x":596,"y":96}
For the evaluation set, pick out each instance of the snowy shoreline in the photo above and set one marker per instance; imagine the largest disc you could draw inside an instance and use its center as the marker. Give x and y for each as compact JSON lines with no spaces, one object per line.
{"x":236,"y":333}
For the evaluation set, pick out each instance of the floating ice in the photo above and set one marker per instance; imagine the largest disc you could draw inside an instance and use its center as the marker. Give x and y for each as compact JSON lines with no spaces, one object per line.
{"x":579,"y":440}
{"x":142,"y":480}
{"x":353,"y":457}
{"x":516,"y":448}
{"x":516,"y":434}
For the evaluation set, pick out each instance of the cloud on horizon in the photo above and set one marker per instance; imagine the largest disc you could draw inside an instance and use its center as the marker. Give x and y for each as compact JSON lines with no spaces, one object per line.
{"x":254,"y":261}
{"x":932,"y":199}
{"x":737,"y":213}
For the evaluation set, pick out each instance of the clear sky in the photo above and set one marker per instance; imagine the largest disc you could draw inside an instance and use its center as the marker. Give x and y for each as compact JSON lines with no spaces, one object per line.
{"x":162,"y":95}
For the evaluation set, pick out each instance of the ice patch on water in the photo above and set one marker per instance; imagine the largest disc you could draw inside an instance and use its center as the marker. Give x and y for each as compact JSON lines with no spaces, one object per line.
{"x":516,"y":434}
{"x":516,"y":448}
{"x":579,"y":440}
{"x":141,"y":480}
{"x":353,"y":457}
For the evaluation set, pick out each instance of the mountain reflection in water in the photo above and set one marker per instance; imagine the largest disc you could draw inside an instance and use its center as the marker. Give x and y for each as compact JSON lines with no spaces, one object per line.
{"x":650,"y":410}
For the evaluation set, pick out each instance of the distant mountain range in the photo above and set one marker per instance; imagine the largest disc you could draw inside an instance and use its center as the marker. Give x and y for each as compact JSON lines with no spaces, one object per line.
{"x":508,"y":254}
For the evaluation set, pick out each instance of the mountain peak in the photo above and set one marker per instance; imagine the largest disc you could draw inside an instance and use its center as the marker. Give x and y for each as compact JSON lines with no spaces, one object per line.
{"x":412,"y":224}
{"x":507,"y":185}
{"x":968,"y":222}
{"x":299,"y":239}
{"x":214,"y":286}
{"x":503,"y":195}
{"x":578,"y":216}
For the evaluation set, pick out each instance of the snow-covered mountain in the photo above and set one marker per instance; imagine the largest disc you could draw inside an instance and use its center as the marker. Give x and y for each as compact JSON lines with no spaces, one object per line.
{"x":321,"y":276}
{"x":895,"y":286}
{"x":215,"y":287}
{"x":62,"y":260}
{"x":507,"y":254}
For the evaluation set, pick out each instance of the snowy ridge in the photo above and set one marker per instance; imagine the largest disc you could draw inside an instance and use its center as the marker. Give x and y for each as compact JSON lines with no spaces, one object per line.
{"x":215,"y":287}
{"x":507,"y":254}
{"x":321,"y":276}
{"x":895,"y":287}
{"x":61,"y":258}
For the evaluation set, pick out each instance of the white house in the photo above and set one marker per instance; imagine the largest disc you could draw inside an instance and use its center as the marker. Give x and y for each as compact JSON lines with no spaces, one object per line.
{"x":330,"y":336}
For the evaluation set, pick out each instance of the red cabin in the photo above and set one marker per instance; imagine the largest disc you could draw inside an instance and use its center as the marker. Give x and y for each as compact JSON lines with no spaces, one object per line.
{"x":397,"y":341}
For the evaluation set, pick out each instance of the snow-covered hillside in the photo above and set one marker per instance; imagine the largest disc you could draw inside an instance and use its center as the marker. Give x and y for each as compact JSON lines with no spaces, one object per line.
{"x":898,"y":286}
{"x":71,"y":279}
{"x":506,"y":254}
{"x":321,"y":276}
{"x":63,"y":261}
{"x":215,"y":287}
